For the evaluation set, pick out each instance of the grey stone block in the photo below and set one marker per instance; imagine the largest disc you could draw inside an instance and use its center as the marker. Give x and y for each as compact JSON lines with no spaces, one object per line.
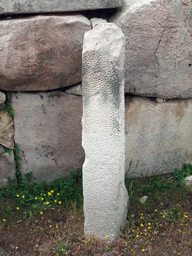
{"x":48,"y":133}
{"x":42,"y":6}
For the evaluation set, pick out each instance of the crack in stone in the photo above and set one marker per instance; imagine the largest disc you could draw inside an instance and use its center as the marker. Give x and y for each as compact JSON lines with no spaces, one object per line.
{"x":158,"y":44}
{"x":159,"y":23}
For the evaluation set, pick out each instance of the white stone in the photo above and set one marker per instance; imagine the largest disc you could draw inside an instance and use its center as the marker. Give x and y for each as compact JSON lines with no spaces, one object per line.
{"x":188,"y":180}
{"x":143,"y":199}
{"x":159,"y":100}
{"x":103,"y":135}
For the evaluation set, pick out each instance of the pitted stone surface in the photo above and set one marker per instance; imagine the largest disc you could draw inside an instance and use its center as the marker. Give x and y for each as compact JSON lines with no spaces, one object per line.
{"x":158,"y":52}
{"x":158,"y":136}
{"x":41,"y":53}
{"x":37,"y":6}
{"x":103,"y":137}
{"x":48,"y":133}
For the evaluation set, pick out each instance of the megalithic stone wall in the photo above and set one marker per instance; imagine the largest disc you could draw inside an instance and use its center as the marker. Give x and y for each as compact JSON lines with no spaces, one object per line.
{"x":103,"y":135}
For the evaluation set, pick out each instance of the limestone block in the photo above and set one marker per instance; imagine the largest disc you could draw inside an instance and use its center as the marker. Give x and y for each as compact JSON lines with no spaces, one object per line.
{"x":158,"y":49}
{"x":41,"y":53}
{"x":103,"y":137}
{"x":6,"y":130}
{"x":7,"y":167}
{"x":158,"y":136}
{"x":48,"y":133}
{"x":41,"y":6}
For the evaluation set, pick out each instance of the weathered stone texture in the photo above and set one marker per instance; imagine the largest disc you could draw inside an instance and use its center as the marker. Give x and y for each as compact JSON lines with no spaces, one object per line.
{"x":37,"y":6}
{"x":103,"y":137}
{"x":158,"y":49}
{"x":41,"y":53}
{"x":6,"y":130}
{"x":48,"y":133}
{"x":159,"y":136}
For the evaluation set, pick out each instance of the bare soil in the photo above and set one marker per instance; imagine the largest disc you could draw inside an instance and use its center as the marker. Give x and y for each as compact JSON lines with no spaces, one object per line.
{"x":43,"y":232}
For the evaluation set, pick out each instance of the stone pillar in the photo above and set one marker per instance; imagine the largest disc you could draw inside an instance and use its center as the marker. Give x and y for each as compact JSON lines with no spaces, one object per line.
{"x":103,"y":138}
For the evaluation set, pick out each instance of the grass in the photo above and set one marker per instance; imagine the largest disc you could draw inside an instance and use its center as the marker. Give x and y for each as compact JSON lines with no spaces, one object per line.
{"x":47,"y":219}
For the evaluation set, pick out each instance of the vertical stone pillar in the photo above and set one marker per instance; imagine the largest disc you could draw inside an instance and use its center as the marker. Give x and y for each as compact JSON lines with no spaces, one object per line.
{"x":103,"y":138}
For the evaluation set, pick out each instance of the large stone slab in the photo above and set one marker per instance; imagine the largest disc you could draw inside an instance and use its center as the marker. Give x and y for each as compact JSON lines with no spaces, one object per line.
{"x":41,"y":53}
{"x":48,"y":133}
{"x":158,"y":135}
{"x":158,"y":49}
{"x":103,"y":135}
{"x":37,"y":6}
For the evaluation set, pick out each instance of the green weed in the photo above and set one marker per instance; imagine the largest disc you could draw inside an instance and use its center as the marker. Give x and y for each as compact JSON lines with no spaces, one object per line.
{"x":184,"y":172}
{"x":7,"y":106}
{"x":175,"y":213}
{"x":61,"y":249}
